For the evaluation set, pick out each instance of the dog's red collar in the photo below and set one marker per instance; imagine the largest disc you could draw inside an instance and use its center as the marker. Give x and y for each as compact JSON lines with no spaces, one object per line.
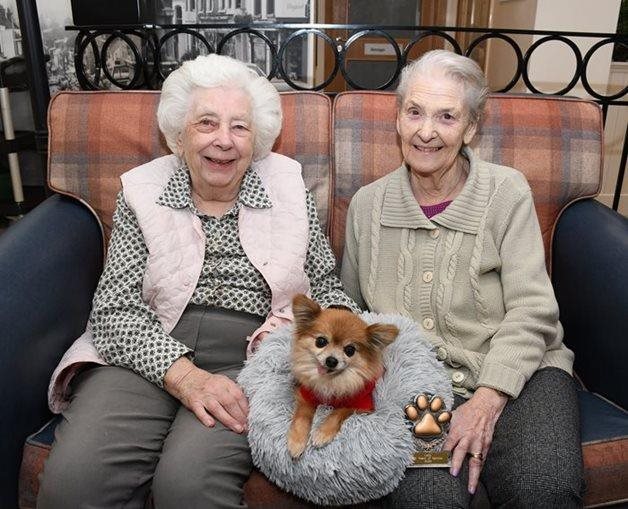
{"x":362,"y":400}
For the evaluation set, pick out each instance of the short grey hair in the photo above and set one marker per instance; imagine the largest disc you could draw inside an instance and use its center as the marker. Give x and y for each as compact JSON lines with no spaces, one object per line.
{"x":210,"y":71}
{"x":456,"y":67}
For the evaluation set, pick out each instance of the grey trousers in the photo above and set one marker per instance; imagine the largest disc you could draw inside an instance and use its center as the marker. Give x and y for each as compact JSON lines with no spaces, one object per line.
{"x":535,"y":459}
{"x":123,"y":436}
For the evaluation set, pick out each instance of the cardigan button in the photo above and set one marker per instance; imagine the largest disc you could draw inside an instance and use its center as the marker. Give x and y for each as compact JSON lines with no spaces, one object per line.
{"x":428,"y":275}
{"x":428,"y":323}
{"x":441,"y":353}
{"x":434,"y":233}
{"x":457,"y":377}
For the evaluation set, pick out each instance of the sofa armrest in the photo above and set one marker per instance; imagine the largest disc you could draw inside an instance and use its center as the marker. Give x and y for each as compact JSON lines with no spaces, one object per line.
{"x":50,"y":262}
{"x":590,"y":276}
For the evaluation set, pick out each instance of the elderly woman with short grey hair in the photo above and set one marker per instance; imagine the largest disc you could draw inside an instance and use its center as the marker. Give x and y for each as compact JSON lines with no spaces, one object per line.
{"x":209,"y":246}
{"x":454,"y":242}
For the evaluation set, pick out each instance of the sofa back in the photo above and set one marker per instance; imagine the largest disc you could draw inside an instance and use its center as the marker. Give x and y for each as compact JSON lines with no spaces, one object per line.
{"x":94,"y":137}
{"x":555,"y":141}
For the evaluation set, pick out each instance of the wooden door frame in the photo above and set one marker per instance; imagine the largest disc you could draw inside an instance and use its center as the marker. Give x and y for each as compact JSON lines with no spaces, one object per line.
{"x":433,"y":13}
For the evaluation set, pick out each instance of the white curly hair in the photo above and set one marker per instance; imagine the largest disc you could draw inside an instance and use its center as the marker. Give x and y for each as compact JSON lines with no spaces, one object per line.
{"x":210,"y":71}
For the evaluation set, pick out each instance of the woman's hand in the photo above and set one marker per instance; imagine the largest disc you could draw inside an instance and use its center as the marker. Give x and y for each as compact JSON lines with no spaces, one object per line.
{"x":208,"y":396}
{"x":471,"y":431}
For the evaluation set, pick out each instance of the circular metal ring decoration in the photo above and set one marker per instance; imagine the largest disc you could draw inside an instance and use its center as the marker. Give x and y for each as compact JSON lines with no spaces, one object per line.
{"x":514,"y":46}
{"x":177,"y":31}
{"x":116,"y":34}
{"x":84,"y":39}
{"x":576,"y":52}
{"x":585,"y":63}
{"x":354,"y":38}
{"x":429,"y":33}
{"x":262,"y":36}
{"x":148,"y":57}
{"x":301,"y":33}
{"x":153,"y":79}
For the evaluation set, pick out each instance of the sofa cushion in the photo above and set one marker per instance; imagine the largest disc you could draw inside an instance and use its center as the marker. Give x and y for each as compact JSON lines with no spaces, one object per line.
{"x":555,"y":141}
{"x":94,"y":137}
{"x":604,"y":428}
{"x":36,"y":450}
{"x":259,"y":492}
{"x":604,"y":447}
{"x":600,"y":419}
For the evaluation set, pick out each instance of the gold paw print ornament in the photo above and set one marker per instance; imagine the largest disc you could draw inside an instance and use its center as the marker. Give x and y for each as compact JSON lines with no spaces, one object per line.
{"x":428,"y":419}
{"x":429,"y":416}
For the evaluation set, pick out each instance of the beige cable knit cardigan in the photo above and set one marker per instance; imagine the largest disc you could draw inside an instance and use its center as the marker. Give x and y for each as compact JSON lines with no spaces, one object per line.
{"x":473,"y":276}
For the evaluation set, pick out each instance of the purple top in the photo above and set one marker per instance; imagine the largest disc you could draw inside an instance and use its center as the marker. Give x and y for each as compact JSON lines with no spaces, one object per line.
{"x":431,"y":210}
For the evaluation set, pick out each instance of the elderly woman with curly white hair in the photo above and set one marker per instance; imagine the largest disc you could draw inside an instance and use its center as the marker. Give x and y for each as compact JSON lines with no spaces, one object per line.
{"x":209,"y":245}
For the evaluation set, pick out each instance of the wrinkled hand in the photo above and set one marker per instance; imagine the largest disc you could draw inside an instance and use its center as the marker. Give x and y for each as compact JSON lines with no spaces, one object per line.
{"x":471,"y":430}
{"x":208,"y":396}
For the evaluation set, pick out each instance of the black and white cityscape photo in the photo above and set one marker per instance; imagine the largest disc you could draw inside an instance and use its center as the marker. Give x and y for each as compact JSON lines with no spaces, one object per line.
{"x":9,"y":31}
{"x":58,"y":43}
{"x":121,"y":63}
{"x":245,"y":47}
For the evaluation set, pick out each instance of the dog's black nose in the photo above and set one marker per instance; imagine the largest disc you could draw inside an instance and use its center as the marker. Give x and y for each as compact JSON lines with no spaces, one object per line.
{"x":331,"y":362}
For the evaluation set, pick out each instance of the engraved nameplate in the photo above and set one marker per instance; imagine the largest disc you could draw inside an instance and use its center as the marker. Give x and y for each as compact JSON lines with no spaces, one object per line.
{"x":440,"y":459}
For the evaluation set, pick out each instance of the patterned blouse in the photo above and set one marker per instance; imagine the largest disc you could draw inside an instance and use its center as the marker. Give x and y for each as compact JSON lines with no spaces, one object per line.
{"x":128,"y":333}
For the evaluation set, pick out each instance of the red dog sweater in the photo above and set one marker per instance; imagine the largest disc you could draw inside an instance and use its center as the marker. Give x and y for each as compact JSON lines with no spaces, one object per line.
{"x":362,"y":400}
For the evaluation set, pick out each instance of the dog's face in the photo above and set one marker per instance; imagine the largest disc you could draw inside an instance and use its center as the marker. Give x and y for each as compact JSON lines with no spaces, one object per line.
{"x":334,"y":352}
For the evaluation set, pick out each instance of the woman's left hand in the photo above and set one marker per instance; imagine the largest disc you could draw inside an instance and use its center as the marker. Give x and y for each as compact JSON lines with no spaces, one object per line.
{"x":209,"y":396}
{"x":471,"y":431}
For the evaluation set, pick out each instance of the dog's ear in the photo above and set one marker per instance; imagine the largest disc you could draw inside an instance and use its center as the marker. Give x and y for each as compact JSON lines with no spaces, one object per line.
{"x":382,"y":334}
{"x":305,"y":310}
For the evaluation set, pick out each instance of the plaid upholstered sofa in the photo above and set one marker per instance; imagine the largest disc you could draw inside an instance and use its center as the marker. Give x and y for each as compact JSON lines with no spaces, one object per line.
{"x":51,"y":260}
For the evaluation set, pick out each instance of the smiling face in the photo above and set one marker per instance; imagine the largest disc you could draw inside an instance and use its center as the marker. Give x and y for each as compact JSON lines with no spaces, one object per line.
{"x":217,"y":141}
{"x":433,"y":123}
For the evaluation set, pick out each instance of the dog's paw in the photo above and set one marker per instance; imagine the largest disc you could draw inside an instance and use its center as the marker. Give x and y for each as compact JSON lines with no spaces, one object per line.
{"x":296,"y":446}
{"x":323,"y":435}
{"x":330,"y":427}
{"x":429,"y":416}
{"x":297,"y":437}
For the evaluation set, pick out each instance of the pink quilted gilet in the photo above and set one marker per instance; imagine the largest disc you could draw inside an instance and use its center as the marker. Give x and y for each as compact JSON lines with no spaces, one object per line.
{"x":274,"y":239}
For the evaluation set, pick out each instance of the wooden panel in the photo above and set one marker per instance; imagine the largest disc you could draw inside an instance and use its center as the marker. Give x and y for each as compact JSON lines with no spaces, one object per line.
{"x":473,"y":13}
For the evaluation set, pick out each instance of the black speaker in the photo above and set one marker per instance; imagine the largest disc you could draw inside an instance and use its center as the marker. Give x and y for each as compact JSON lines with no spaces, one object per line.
{"x":113,"y":12}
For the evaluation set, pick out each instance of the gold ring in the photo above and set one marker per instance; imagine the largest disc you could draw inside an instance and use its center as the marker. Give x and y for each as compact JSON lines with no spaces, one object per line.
{"x":476,"y":455}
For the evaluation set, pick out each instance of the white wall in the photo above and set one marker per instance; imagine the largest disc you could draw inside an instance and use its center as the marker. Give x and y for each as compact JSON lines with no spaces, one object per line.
{"x":552,"y":64}
{"x":500,"y":66}
{"x":614,"y":132}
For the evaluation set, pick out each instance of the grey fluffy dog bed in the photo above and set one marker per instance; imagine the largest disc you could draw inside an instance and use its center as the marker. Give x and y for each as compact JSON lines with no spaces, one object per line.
{"x":367,"y":459}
